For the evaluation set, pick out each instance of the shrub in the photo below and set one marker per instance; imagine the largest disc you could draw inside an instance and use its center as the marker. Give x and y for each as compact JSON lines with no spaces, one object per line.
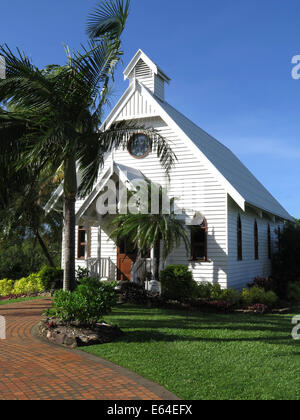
{"x":293,"y":293}
{"x":256,"y":295}
{"x":82,"y":273}
{"x":86,"y":305}
{"x":30,"y":284}
{"x":20,"y":287}
{"x":285,"y":265}
{"x":267,"y":283}
{"x":214,"y":306}
{"x":177,"y":283}
{"x":231,"y":296}
{"x":275,"y":284}
{"x":133,"y":293}
{"x":51,"y":277}
{"x":214,"y":292}
{"x":6,"y":287}
{"x":203,"y":290}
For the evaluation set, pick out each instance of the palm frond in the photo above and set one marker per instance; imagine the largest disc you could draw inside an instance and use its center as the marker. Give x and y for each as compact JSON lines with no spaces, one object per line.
{"x":96,"y":64}
{"x":109,"y":17}
{"x":25,"y":84}
{"x":145,"y":230}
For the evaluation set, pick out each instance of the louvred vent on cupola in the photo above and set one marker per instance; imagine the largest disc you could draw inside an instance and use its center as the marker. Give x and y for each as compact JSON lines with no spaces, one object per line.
{"x":147,"y":73}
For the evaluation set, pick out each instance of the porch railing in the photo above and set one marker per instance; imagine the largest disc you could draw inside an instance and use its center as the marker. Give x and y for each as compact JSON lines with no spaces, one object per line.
{"x":105,"y":269}
{"x":102,"y":268}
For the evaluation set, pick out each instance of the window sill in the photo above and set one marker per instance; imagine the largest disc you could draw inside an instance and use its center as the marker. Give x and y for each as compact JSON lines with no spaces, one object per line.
{"x":200,"y":260}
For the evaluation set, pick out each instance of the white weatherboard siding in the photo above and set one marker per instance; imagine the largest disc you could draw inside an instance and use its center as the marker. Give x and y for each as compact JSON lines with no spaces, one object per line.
{"x":137,"y":107}
{"x":197,"y":190}
{"x":242,"y":272}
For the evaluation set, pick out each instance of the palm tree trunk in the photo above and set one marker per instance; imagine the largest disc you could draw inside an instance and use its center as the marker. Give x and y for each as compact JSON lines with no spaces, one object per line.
{"x":44,"y":249}
{"x":70,"y":192}
{"x":69,"y":244}
{"x":157,"y":259}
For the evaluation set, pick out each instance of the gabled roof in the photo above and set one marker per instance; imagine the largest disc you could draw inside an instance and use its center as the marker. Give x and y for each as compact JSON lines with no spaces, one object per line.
{"x":238,"y":181}
{"x":140,"y":55}
{"x":229,"y":166}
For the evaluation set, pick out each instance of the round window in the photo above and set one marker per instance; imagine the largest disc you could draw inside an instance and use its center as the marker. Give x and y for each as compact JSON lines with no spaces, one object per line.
{"x":139,"y":146}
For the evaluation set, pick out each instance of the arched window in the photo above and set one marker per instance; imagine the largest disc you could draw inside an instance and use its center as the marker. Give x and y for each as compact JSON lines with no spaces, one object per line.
{"x":199,"y":242}
{"x":239,"y":239}
{"x":256,"y":252}
{"x":269,"y":243}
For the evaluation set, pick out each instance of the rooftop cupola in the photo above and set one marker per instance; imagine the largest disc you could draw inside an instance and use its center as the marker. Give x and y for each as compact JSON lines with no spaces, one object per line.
{"x":144,"y":70}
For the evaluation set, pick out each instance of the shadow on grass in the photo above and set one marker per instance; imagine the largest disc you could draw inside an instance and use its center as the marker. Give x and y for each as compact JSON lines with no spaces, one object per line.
{"x":150,"y":336}
{"x":149,"y":323}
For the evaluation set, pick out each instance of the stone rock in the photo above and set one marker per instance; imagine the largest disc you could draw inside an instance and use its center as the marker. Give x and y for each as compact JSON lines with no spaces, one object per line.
{"x":93,"y":337}
{"x":70,"y":342}
{"x":84,"y":339}
{"x":60,"y":338}
{"x":282,"y":311}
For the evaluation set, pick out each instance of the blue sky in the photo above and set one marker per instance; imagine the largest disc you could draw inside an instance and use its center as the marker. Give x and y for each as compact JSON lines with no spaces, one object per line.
{"x":229,"y":61}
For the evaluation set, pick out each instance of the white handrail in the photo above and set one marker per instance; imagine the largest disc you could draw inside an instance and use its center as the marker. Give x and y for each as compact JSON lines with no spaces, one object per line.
{"x":101,"y":268}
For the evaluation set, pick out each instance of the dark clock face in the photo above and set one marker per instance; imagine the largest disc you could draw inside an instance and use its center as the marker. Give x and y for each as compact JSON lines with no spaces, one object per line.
{"x":139,"y":146}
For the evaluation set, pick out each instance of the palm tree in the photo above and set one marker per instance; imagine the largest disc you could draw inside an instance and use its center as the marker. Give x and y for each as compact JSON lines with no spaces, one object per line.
{"x":148,"y":231}
{"x":56,"y":113}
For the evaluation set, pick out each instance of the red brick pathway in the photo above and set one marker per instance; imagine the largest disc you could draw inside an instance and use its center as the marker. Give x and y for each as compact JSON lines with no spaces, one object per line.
{"x":31,"y":369}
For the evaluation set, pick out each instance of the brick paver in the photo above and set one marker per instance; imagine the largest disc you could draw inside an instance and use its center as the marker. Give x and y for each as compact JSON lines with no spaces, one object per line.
{"x":31,"y":369}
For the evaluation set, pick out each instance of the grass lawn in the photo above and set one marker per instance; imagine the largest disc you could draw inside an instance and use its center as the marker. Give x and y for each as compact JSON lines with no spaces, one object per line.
{"x":208,"y":356}
{"x":8,"y":302}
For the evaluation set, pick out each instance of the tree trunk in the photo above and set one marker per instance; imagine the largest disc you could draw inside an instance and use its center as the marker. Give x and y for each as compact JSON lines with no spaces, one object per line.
{"x":44,"y":249}
{"x":70,"y":193}
{"x":69,"y":244}
{"x":157,"y":259}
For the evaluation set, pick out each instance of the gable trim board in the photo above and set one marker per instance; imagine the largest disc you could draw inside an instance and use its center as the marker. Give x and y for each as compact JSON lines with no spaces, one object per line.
{"x":126,"y":175}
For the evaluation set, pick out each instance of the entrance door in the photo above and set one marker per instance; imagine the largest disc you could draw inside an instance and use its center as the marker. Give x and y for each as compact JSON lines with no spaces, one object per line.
{"x":127,"y":255}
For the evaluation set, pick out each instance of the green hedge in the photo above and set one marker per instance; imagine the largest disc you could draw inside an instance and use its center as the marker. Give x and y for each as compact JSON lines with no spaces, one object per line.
{"x":257,"y":295}
{"x":178,"y":284}
{"x":35,"y":283}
